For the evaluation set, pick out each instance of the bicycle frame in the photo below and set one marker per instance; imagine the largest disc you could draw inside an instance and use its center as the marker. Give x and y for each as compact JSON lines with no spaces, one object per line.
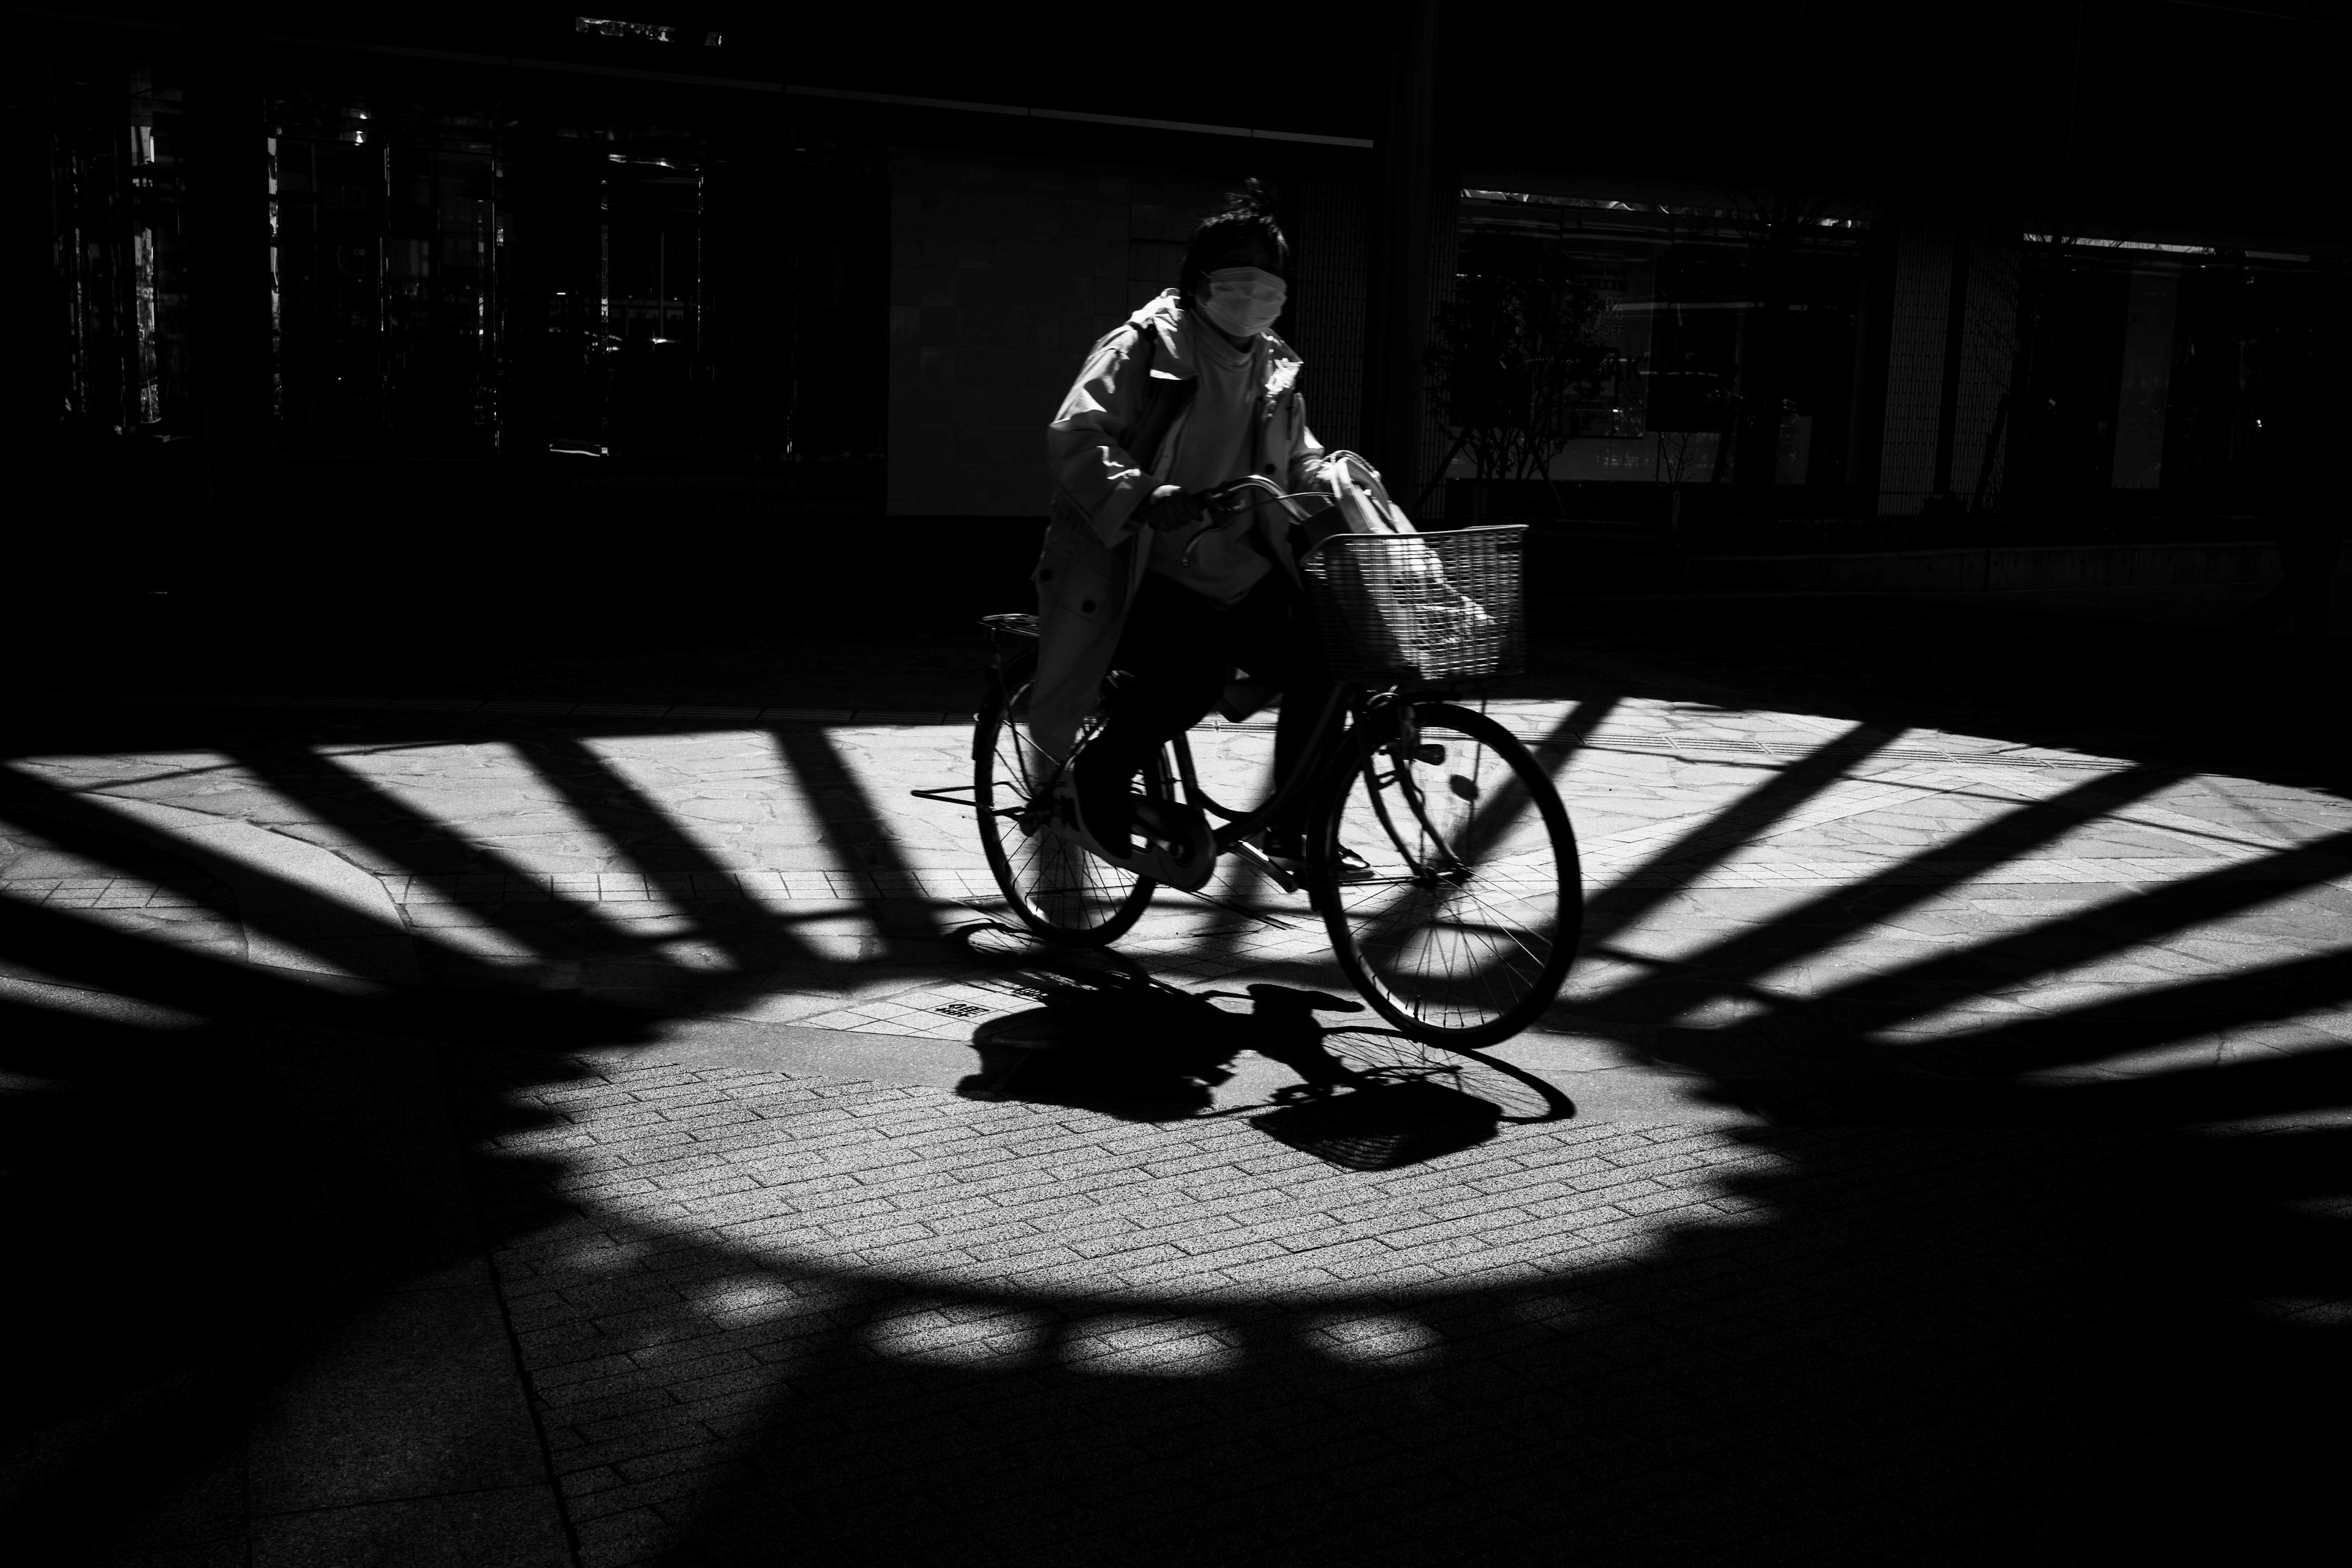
{"x":1449,"y":863}
{"x":1226,"y":500}
{"x":1242,"y":825}
{"x":1396,"y":854}
{"x":1330,"y":747}
{"x":1345,"y":713}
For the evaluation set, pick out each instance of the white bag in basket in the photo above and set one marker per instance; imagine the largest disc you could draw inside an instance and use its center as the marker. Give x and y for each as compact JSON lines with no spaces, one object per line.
{"x":1423,"y":617}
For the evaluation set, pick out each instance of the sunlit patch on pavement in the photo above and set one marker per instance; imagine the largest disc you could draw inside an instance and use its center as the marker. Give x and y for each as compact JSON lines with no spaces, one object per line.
{"x":1393,"y":1339}
{"x":690,"y":1254}
{"x":784,"y":866}
{"x":1721,"y":1012}
{"x":990,"y":1336}
{"x":741,"y":1302}
{"x":1151,"y":1346}
{"x":77,"y":1001}
{"x":2302,"y":1312}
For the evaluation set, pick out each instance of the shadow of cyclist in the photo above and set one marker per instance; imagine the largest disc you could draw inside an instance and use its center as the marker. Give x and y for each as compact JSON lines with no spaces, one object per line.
{"x":1109,"y":1037}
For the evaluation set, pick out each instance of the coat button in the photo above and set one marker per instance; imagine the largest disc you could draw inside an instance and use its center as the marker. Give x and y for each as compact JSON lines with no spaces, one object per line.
{"x":1086,"y":606}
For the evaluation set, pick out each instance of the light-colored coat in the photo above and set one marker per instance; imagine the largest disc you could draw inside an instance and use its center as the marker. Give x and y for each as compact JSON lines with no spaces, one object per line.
{"x":1093,"y":561}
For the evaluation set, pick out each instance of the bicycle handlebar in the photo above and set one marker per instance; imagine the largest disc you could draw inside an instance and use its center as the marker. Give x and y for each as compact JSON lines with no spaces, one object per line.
{"x":1225,"y":498}
{"x":1225,"y":507}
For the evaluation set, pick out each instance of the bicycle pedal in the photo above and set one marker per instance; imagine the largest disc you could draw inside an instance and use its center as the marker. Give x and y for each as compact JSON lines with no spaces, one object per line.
{"x":1179,"y":849}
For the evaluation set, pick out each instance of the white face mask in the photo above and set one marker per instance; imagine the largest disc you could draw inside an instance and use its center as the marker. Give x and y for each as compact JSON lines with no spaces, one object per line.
{"x":1245,"y":301}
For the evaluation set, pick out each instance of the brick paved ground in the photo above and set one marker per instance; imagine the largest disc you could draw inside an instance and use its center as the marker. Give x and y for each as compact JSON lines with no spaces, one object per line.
{"x":1739,"y":860}
{"x":771,"y":1319}
{"x":1953,"y":1170}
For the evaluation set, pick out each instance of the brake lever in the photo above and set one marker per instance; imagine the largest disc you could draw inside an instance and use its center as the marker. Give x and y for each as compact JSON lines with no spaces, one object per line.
{"x":1232,"y":515}
{"x":1213,"y":498}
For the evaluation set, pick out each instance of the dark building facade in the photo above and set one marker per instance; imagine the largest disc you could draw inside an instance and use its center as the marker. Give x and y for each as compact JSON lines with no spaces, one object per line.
{"x":510,"y":284}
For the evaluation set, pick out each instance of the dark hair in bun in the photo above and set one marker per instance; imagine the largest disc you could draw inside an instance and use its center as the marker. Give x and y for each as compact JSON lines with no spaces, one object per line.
{"x":1246,"y":217}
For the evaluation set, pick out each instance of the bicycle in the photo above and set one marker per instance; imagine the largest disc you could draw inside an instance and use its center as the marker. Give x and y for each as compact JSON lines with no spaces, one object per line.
{"x":1460,"y":926}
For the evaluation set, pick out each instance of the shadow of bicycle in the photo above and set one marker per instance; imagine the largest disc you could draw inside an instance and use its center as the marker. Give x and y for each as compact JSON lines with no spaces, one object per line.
{"x":1109,"y":1037}
{"x":2025,"y":1303}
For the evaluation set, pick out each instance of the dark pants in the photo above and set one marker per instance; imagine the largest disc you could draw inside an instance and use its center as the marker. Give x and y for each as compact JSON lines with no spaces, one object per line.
{"x":1179,"y":650}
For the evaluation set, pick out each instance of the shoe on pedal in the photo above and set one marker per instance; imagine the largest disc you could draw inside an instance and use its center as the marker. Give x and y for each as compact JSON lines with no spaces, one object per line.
{"x":1177,"y":849}
{"x":1178,"y":840}
{"x":1291,"y":856}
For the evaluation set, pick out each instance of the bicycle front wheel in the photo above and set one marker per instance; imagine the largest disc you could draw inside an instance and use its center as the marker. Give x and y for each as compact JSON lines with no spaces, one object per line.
{"x":1464,"y":928}
{"x":1060,"y":891}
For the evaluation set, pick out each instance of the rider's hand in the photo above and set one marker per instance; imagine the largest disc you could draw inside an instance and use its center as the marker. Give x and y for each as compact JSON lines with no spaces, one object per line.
{"x":1168,"y":510}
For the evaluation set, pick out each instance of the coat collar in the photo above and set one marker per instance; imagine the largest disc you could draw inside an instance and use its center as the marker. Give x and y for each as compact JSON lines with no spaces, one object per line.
{"x":1164,"y":314}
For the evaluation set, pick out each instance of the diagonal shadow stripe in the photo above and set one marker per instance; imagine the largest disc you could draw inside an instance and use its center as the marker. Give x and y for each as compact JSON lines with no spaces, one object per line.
{"x":2306,"y":1085}
{"x":363,"y":811}
{"x":92,"y":956}
{"x":812,"y":754}
{"x":295,"y":915}
{"x":642,"y":831}
{"x":69,"y":1047}
{"x":1565,"y":736}
{"x":1714,"y":841}
{"x":2064,"y":943}
{"x":2159,"y":1015}
{"x":1488,"y":828}
{"x":1816,"y":924}
{"x":1707,"y":844}
{"x":85,"y":953}
{"x":2305,"y":1082}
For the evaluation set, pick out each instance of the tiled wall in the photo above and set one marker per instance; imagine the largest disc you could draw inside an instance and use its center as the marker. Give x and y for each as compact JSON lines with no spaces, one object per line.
{"x":1987,"y":359}
{"x":1915,"y":369}
{"x":1326,"y":325}
{"x":1444,"y":251}
{"x":1914,"y":366}
{"x":2147,"y":378}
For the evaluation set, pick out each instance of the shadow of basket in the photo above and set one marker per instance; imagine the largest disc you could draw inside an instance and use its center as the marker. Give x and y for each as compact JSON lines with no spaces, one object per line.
{"x":1385,"y":1125}
{"x":1385,"y":1056}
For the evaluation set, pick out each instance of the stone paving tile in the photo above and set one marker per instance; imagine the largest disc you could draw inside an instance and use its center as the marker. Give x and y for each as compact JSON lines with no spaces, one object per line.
{"x":785,"y":873}
{"x":112,"y":893}
{"x":1047,"y":1333}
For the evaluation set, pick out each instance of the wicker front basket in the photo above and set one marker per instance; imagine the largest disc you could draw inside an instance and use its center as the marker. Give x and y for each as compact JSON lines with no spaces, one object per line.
{"x":1421,"y":606}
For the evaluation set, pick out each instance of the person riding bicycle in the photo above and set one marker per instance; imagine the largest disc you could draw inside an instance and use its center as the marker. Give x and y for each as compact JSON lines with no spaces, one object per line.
{"x":1193,"y":391}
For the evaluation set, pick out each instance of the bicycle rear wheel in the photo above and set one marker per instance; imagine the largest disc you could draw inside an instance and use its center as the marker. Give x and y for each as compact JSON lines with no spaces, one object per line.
{"x":1061,"y":892}
{"x":1466,"y":925}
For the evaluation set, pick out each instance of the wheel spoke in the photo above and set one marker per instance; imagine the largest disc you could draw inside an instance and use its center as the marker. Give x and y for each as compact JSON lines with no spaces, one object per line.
{"x":1060,"y":892}
{"x":1473,"y":952}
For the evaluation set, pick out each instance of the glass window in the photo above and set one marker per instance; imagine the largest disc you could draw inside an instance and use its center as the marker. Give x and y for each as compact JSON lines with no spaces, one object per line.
{"x":1729,"y":342}
{"x":118,"y":177}
{"x":456,"y":283}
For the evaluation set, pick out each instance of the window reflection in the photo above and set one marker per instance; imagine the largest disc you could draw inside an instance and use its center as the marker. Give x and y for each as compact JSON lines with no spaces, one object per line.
{"x":1732,"y":335}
